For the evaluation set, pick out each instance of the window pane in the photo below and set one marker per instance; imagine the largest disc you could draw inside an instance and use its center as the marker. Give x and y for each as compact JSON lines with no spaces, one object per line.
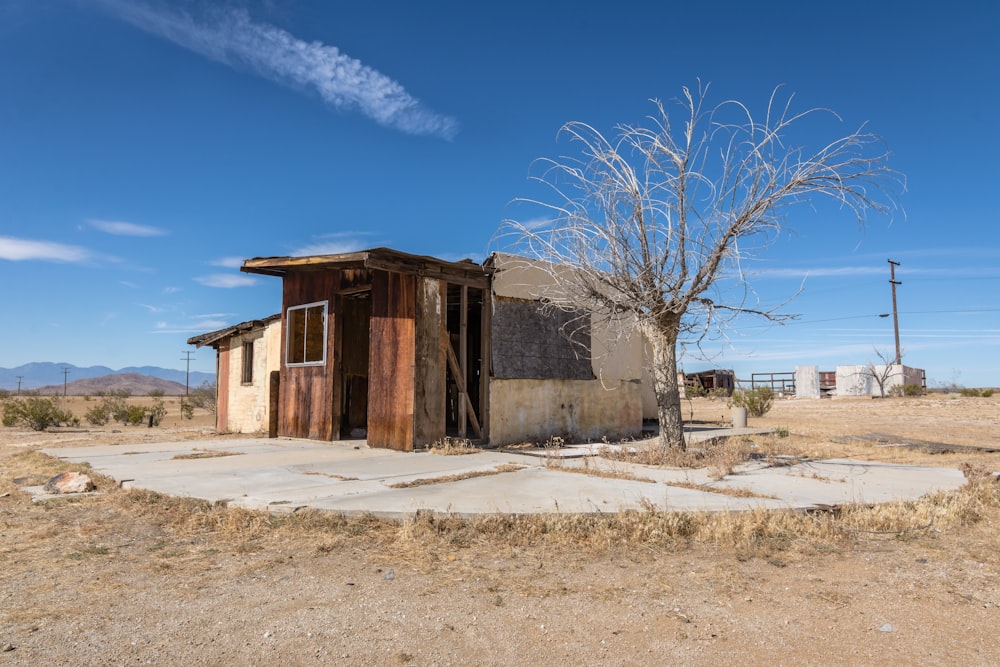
{"x":296,"y":335}
{"x":315,"y":329}
{"x":307,"y":334}
{"x":247,"y":363}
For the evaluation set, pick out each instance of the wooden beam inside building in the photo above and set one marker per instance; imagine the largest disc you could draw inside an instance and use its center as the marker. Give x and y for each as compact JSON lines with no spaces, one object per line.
{"x":465,"y":402}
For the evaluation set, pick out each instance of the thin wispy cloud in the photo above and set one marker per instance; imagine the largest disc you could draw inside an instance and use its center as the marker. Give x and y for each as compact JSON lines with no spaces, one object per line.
{"x":334,"y":244}
{"x":20,"y":250}
{"x":228,"y":262}
{"x":821,"y":272}
{"x":119,"y":228}
{"x":231,"y":38}
{"x":226,"y":280}
{"x":474,"y":256}
{"x":199,"y":326}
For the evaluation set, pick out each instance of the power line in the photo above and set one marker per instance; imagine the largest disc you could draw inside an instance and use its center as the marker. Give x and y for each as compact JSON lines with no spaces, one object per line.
{"x":962,"y":311}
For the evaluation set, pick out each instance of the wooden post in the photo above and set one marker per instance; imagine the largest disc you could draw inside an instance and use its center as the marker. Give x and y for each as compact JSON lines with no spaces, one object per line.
{"x":272,"y":404}
{"x":484,"y":365}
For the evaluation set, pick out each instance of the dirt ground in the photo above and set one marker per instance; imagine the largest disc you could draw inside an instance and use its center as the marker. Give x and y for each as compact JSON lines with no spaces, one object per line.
{"x":133,"y":578}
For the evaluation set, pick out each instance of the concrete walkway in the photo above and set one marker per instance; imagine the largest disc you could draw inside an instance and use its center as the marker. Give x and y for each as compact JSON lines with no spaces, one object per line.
{"x":348,"y":477}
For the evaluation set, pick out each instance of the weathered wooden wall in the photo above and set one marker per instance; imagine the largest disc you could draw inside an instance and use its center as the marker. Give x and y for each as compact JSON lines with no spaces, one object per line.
{"x":430,"y":380}
{"x":392,"y":361}
{"x":310,"y":395}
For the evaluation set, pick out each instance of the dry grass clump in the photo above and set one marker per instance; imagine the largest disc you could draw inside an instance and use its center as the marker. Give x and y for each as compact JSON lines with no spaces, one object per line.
{"x":721,"y":490}
{"x":757,"y":533}
{"x":425,"y":481}
{"x":453,"y":447}
{"x":942,"y":510}
{"x":605,"y":473}
{"x":721,"y":456}
{"x":205,"y":454}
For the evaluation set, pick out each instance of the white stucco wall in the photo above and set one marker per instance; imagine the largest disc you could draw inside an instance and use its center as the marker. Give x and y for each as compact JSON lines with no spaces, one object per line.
{"x":857,"y":380}
{"x":580,"y":410}
{"x":248,"y":403}
{"x":807,"y":382}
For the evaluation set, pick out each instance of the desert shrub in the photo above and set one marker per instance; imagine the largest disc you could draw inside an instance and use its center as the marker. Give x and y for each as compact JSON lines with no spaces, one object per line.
{"x":757,"y":401}
{"x":187,"y":410}
{"x":913,"y":390}
{"x":122,"y":393}
{"x":157,"y":393}
{"x":36,"y":412}
{"x":968,"y":391}
{"x":116,"y":407}
{"x":694,"y":391}
{"x":98,"y":415}
{"x":157,"y":411}
{"x":133,"y":415}
{"x":203,"y":397}
{"x":4,"y":393}
{"x":986,"y":393}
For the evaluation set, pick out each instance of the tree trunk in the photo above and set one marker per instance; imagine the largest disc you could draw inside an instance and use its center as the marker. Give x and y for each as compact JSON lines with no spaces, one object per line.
{"x":662,"y":337}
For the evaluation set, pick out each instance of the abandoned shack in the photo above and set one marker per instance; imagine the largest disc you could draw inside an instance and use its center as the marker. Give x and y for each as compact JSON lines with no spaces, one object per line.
{"x":246,"y":356}
{"x":410,"y":349}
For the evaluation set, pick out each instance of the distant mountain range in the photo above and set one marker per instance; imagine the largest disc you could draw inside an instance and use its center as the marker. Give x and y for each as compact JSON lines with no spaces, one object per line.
{"x":134,"y":383}
{"x":44,"y":374}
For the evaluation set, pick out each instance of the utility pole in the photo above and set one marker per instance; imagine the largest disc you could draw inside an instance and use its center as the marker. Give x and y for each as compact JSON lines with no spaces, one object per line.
{"x":65,"y":371}
{"x":187,"y":374}
{"x":19,"y":378}
{"x":895,"y":315}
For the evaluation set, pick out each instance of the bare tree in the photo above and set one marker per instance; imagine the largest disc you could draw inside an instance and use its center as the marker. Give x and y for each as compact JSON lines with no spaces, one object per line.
{"x":881,"y":373}
{"x":656,"y":221}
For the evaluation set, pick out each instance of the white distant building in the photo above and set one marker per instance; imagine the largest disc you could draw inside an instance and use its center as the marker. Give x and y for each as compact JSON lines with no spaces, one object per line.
{"x":855,"y":380}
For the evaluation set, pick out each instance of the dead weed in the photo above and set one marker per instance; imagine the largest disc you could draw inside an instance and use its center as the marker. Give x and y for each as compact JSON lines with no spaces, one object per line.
{"x":453,"y":447}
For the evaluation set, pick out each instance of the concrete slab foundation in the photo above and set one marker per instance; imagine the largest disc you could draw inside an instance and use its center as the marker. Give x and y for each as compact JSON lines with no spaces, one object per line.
{"x":348,"y":477}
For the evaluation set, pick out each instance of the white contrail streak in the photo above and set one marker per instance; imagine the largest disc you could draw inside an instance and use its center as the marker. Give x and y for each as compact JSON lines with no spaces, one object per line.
{"x":231,"y":38}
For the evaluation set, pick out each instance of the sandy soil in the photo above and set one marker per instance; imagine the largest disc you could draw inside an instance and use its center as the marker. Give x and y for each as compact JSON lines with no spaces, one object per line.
{"x":120,"y":578}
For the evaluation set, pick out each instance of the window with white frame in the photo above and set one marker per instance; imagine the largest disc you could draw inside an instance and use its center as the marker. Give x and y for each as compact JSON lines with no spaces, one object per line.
{"x":306,"y":335}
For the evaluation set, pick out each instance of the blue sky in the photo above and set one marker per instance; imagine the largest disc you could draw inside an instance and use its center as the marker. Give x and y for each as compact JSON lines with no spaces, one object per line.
{"x":147,"y":148}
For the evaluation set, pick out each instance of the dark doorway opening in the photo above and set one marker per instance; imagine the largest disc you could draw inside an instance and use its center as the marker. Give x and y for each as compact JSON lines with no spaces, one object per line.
{"x":464,"y":388}
{"x":356,"y":313}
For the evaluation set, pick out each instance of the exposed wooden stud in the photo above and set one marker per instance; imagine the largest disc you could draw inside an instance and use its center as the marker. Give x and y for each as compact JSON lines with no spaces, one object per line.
{"x":484,"y":363}
{"x":463,"y":357}
{"x":456,"y":373}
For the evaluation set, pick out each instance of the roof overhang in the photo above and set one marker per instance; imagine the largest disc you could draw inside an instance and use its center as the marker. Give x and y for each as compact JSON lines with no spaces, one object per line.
{"x":213,"y":337}
{"x":383,"y":259}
